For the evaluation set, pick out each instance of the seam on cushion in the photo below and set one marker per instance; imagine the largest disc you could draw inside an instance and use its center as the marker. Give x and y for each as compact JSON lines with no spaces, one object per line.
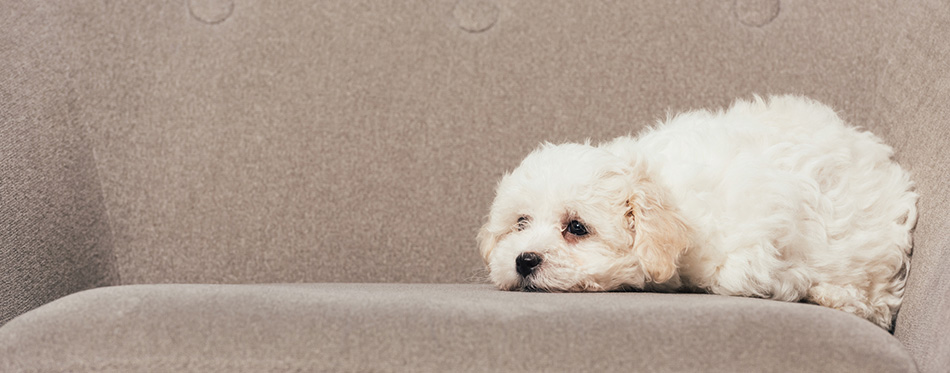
{"x":178,"y":364}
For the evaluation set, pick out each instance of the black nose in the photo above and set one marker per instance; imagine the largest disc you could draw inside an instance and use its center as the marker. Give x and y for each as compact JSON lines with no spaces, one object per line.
{"x":526,"y":263}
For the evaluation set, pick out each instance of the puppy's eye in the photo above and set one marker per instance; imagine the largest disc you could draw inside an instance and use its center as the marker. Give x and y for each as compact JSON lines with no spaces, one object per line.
{"x":576,"y":228}
{"x":522,"y":223}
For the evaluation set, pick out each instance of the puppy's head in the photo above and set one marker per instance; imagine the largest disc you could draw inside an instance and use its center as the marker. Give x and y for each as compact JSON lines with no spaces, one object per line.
{"x":575,"y":217}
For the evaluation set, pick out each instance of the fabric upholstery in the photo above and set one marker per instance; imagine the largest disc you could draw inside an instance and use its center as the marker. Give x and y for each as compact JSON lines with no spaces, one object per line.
{"x":912,"y":109}
{"x":358,"y":141}
{"x":54,"y":235}
{"x":433,"y":327}
{"x":221,"y":141}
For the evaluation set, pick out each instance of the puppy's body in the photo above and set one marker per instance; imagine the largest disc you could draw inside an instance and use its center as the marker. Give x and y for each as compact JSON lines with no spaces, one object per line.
{"x":776,"y":199}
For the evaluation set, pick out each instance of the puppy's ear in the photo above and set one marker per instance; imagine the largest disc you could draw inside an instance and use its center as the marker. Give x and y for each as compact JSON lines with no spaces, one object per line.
{"x":660,"y":233}
{"x":486,"y":242}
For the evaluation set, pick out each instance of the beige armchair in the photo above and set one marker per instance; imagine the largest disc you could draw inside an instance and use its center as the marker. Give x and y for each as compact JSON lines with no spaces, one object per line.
{"x":218,"y":185}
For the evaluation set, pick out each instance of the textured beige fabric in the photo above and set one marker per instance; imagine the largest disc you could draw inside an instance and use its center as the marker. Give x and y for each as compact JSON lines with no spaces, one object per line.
{"x":912,"y":110}
{"x":239,"y":141}
{"x":361,"y":141}
{"x":264,"y":142}
{"x":54,"y":236}
{"x":427,"y":328}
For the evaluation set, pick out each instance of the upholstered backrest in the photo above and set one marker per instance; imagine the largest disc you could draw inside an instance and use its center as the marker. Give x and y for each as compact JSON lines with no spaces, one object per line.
{"x":361,"y":141}
{"x":252,"y":141}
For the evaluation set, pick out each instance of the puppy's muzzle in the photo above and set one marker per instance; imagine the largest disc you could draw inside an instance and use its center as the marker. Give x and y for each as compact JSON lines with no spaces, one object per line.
{"x":527,"y":263}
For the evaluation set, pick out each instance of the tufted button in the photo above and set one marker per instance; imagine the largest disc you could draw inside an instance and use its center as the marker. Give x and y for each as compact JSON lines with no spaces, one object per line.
{"x":756,"y":13}
{"x":475,"y":15}
{"x":211,"y":11}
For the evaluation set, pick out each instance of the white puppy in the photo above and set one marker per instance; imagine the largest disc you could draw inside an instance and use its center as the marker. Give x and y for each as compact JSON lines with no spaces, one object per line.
{"x":776,"y":199}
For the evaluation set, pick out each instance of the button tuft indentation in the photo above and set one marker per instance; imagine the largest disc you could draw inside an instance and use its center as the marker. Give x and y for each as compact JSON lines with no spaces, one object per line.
{"x":475,"y":15}
{"x":211,"y":11}
{"x":756,"y":13}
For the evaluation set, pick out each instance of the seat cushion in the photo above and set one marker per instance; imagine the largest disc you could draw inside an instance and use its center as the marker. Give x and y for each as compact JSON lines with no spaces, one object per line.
{"x":429,"y":327}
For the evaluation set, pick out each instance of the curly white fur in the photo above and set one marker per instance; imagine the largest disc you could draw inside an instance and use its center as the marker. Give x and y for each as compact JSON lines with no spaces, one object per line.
{"x":776,"y":199}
